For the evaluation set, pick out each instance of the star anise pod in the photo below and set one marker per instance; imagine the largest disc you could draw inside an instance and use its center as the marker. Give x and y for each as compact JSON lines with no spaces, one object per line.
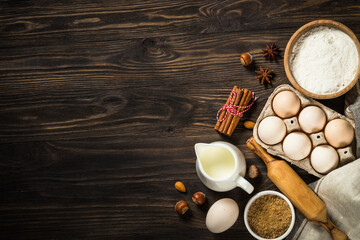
{"x":264,"y":75}
{"x":271,"y":51}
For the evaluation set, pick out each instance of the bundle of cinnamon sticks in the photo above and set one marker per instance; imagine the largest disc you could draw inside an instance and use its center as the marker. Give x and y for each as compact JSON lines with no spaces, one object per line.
{"x":242,"y":98}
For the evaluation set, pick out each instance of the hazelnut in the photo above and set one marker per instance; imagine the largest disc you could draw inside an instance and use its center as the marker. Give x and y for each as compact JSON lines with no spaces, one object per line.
{"x":180,"y":186}
{"x":181,"y":207}
{"x":245,"y":59}
{"x":199,"y":198}
{"x":249,"y":124}
{"x":253,"y":171}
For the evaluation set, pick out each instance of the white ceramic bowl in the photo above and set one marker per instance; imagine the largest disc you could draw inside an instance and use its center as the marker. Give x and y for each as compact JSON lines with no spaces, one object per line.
{"x":269,"y":192}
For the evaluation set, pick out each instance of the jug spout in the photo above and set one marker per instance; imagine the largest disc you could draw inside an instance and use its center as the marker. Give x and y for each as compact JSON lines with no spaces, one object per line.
{"x":199,"y":147}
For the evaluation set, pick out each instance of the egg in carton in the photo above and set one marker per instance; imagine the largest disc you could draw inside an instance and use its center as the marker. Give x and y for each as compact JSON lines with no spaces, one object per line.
{"x":304,"y":132}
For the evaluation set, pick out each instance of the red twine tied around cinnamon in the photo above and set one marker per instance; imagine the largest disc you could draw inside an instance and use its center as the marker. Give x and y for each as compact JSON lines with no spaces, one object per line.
{"x":231,"y":108}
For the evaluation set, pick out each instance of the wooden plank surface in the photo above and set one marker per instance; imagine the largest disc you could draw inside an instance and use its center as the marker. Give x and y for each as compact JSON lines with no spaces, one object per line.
{"x":101,"y":104}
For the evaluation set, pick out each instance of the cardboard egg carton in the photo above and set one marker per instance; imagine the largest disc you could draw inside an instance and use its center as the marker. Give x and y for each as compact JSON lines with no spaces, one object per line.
{"x":345,"y":154}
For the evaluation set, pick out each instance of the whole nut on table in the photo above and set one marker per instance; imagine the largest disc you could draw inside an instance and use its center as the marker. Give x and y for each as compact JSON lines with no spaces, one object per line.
{"x":199,"y":198}
{"x":181,"y":207}
{"x":253,"y":171}
{"x":180,"y":186}
{"x":245,"y":59}
{"x":249,"y":124}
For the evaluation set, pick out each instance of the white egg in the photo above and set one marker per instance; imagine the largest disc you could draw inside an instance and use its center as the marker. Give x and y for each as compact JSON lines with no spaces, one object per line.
{"x":286,"y":104}
{"x":222,"y":215}
{"x":297,"y":145}
{"x":271,"y":130}
{"x":339,"y":133}
{"x":324,"y":158}
{"x":312,"y":119}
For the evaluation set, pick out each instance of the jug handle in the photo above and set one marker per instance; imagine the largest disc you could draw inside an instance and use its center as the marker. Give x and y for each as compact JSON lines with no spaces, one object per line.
{"x":244,"y":184}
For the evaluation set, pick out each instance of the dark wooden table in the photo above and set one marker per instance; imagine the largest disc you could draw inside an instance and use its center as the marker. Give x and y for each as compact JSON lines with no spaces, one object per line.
{"x":101,"y":103}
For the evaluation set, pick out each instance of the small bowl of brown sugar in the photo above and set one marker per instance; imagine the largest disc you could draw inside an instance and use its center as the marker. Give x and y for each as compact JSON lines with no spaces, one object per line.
{"x":269,"y":215}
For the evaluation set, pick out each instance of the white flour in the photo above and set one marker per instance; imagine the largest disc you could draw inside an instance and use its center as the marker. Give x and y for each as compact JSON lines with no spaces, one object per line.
{"x":324,"y":60}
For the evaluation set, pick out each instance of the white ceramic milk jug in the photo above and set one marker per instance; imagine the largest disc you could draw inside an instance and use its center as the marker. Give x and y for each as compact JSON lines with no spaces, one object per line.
{"x":221,"y":166}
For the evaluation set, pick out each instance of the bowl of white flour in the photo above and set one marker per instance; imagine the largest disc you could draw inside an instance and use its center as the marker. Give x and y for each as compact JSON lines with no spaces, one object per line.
{"x":322,"y":59}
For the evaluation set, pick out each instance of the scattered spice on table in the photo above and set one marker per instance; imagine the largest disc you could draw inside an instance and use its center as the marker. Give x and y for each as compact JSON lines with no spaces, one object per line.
{"x":271,"y":51}
{"x":269,"y":216}
{"x":264,"y":75}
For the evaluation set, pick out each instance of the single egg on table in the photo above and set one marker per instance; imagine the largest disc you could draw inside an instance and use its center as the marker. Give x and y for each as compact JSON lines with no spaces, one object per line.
{"x":297,"y":146}
{"x":324,"y":158}
{"x":339,"y":133}
{"x":312,"y":119}
{"x":286,"y":104}
{"x":222,"y":215}
{"x":271,"y":130}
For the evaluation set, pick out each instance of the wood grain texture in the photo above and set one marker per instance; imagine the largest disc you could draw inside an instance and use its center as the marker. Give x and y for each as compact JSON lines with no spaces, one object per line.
{"x":101,"y":103}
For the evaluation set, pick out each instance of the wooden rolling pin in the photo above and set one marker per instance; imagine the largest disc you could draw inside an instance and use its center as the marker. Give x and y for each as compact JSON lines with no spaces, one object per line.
{"x":290,"y":184}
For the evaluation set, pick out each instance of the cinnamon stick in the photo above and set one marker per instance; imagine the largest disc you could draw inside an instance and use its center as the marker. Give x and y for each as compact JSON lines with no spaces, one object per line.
{"x":245,"y":101}
{"x":218,"y":123}
{"x":239,"y":96}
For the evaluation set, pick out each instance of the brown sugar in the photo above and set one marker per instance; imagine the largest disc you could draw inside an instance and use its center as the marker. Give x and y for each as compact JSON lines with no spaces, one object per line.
{"x":269,"y":216}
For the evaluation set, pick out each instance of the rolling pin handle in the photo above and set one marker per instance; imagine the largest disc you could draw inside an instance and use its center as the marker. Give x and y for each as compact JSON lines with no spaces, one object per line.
{"x":258,"y":150}
{"x":336,"y":233}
